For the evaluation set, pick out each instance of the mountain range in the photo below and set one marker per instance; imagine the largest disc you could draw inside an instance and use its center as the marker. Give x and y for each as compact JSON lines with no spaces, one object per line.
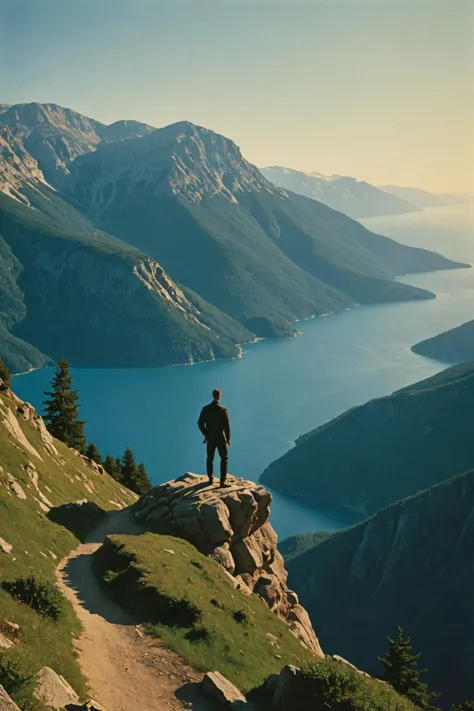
{"x":410,"y":565}
{"x":355,"y":198}
{"x":453,"y":346}
{"x":422,"y":198}
{"x":387,"y":449}
{"x":130,"y":245}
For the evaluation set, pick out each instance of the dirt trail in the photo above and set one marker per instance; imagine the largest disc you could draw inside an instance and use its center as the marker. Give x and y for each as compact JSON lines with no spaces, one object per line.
{"x":125,"y":670}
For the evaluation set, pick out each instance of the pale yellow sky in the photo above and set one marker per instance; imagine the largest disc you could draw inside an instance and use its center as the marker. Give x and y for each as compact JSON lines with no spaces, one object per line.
{"x":382,"y":90}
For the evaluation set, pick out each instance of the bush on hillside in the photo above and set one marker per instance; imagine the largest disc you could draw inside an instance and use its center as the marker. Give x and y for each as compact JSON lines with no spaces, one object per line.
{"x":41,"y":594}
{"x":333,"y":685}
{"x":19,"y":681}
{"x":5,"y":376}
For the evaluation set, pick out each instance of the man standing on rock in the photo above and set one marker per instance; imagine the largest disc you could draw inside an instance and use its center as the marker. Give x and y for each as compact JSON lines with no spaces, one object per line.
{"x":215,"y":426}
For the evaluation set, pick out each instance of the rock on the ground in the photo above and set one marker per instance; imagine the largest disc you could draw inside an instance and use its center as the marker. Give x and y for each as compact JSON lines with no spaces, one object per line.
{"x":6,"y":704}
{"x":221,"y":689}
{"x":88,"y":706}
{"x":5,"y":547}
{"x":5,"y":643}
{"x":54,"y":690}
{"x":232,"y":526}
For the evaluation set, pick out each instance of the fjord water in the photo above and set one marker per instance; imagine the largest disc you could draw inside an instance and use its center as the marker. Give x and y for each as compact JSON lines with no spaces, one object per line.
{"x":283,"y":388}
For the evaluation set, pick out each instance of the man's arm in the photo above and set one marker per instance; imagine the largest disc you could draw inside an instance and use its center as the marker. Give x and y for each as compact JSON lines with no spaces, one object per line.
{"x":202,"y":422}
{"x":227,"y":426}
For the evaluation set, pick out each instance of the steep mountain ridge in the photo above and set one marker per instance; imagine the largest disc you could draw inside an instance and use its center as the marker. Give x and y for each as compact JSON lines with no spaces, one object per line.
{"x":387,"y":449}
{"x":410,"y":565}
{"x":353,"y":197}
{"x":187,"y":197}
{"x":131,"y":310}
{"x":250,"y":257}
{"x":453,"y":346}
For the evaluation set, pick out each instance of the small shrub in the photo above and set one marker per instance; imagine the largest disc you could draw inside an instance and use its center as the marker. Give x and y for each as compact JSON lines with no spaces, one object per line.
{"x":18,"y":681}
{"x":199,"y":634}
{"x":41,"y":594}
{"x":241,"y":617}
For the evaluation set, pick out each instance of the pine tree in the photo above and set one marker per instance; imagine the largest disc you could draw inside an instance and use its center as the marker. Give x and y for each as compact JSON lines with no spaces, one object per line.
{"x":5,"y":376}
{"x":118,"y":467}
{"x":110,"y":464}
{"x":129,"y":468}
{"x":401,"y":671}
{"x":93,"y":453}
{"x":465,"y":706}
{"x":62,"y":409}
{"x":141,"y":483}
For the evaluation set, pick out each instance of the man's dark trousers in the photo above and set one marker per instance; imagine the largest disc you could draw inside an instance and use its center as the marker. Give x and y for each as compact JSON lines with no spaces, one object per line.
{"x":221,"y":446}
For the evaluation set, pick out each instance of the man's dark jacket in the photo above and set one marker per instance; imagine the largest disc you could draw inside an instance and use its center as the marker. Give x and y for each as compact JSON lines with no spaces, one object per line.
{"x":214,"y":422}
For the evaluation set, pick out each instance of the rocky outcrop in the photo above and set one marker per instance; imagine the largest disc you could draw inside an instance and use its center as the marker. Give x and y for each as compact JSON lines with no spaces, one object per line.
{"x":53,"y":689}
{"x":232,"y":526}
{"x":6,"y":704}
{"x":220,"y":688}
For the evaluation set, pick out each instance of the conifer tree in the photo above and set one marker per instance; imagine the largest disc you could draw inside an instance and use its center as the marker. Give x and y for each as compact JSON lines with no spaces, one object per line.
{"x":118,"y":467}
{"x":142,"y":483}
{"x":5,"y":376}
{"x":62,"y":409}
{"x":401,"y":671}
{"x":129,"y":468}
{"x":110,"y":464}
{"x":93,"y":453}
{"x":465,"y":706}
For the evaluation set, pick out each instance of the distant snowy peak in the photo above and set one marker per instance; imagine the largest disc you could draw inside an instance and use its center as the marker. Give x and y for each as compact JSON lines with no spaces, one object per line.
{"x":353,"y":197}
{"x":182,"y":159}
{"x":18,"y":169}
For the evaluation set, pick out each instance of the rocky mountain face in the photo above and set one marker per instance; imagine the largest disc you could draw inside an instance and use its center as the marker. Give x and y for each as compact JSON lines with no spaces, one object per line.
{"x":244,"y":257}
{"x":453,"y":346}
{"x":410,"y":565}
{"x":232,"y":526}
{"x":132,"y":311}
{"x":352,"y":197}
{"x":387,"y":449}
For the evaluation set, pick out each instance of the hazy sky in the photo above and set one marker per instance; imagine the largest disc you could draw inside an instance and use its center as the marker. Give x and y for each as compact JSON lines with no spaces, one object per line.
{"x":379,"y":89}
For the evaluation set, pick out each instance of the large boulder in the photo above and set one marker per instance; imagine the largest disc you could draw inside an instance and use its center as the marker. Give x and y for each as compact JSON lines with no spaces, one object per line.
{"x":232,"y":526}
{"x":221,"y":689}
{"x":53,"y":689}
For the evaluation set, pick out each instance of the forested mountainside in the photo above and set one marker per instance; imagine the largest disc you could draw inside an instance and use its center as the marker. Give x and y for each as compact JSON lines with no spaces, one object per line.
{"x":453,"y":346}
{"x":411,"y":565}
{"x":141,"y":227}
{"x":387,"y":449}
{"x":355,"y":198}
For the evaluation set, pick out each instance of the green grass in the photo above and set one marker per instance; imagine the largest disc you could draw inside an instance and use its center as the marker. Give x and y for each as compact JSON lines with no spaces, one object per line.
{"x":39,"y":544}
{"x":190,"y":603}
{"x":336,"y":686}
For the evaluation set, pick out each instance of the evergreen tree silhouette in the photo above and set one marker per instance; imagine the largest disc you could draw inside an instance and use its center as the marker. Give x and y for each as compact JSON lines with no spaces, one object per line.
{"x":402,"y":672}
{"x":142,"y":483}
{"x":62,"y":409}
{"x":93,"y":453}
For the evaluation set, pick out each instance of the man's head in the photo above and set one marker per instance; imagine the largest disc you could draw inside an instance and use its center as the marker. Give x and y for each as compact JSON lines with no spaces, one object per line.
{"x":216,"y":394}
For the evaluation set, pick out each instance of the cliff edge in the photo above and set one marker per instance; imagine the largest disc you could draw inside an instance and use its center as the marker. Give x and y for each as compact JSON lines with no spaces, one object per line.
{"x":232,"y":526}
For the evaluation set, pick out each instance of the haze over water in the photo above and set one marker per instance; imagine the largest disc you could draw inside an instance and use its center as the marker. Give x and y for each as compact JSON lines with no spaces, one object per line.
{"x":283,"y":388}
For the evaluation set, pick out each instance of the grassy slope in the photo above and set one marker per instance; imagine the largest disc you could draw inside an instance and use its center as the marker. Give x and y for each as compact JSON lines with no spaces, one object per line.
{"x":453,"y":346}
{"x":143,"y":571}
{"x":387,"y":449}
{"x":24,"y":525}
{"x":409,"y":565}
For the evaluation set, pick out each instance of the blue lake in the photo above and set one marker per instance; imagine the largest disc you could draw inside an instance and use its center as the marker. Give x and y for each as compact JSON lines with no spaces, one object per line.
{"x":282,"y":389}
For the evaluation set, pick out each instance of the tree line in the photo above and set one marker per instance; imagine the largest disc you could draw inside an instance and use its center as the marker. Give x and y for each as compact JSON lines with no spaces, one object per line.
{"x":61,"y":415}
